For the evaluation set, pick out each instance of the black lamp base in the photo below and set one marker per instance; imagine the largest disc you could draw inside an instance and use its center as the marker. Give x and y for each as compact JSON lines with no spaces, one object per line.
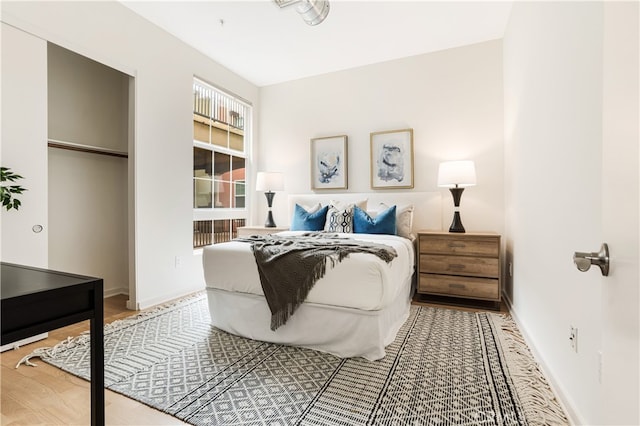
{"x":456,"y":225}
{"x":269,"y":223}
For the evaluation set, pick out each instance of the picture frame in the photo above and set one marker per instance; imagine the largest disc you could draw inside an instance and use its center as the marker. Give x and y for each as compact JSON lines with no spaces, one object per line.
{"x":329,"y":159}
{"x":392,"y":159}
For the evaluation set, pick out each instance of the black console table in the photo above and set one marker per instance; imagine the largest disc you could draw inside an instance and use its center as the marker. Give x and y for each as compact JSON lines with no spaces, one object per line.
{"x":37,"y":300}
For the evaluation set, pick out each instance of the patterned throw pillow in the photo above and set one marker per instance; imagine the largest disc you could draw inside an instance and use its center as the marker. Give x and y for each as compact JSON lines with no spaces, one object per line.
{"x":383,"y":223}
{"x":339,"y":220}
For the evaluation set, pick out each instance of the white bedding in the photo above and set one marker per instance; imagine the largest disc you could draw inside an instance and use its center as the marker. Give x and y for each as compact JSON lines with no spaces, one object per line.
{"x":362,"y":281}
{"x":355,"y":310}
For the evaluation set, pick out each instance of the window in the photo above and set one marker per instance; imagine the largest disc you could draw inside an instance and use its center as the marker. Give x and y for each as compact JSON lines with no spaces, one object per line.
{"x":219,"y":164}
{"x":239,"y":193}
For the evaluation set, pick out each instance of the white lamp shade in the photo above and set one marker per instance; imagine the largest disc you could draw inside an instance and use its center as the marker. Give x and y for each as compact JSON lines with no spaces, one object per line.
{"x":269,"y":181}
{"x":457,"y":173}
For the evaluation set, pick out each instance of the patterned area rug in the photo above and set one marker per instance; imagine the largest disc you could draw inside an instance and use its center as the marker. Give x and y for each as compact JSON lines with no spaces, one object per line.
{"x":446,"y":367}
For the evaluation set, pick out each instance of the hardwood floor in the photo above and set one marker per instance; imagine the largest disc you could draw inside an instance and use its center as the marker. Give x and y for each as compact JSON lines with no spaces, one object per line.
{"x":460,"y":304}
{"x":46,"y":395}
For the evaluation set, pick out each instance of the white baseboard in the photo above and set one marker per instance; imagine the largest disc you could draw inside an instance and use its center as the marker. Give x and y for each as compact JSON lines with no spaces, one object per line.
{"x":115,"y":291}
{"x":148,"y":303}
{"x":26,"y":341}
{"x":565,"y":400}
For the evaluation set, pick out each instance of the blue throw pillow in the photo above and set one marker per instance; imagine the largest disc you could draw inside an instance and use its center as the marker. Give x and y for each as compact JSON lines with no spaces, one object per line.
{"x":383,"y":223}
{"x":305,"y":221}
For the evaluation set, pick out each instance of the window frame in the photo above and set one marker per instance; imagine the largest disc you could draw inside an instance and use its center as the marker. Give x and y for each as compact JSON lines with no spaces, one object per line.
{"x":225,"y":213}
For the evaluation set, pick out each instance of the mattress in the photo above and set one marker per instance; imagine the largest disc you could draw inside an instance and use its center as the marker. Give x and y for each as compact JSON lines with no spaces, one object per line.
{"x":361,"y":281}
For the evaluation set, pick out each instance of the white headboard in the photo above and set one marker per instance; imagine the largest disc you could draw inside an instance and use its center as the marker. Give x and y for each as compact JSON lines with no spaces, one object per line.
{"x":427,"y":213}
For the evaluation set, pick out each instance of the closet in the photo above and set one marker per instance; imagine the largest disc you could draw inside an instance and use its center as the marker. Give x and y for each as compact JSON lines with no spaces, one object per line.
{"x":88,"y":168}
{"x":67,"y":128}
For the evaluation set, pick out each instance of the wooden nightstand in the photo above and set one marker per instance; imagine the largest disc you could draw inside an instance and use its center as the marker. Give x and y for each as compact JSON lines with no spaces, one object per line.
{"x":460,"y":265}
{"x":245,"y":231}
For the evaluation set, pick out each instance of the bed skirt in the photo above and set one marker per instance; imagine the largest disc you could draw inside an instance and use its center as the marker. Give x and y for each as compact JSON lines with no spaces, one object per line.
{"x":340,"y":331}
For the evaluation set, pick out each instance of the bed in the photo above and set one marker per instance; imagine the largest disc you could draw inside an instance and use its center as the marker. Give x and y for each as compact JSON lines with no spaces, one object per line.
{"x":354,"y":310}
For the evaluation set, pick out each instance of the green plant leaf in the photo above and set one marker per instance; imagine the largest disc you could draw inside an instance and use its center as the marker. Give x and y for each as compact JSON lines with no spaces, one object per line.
{"x":8,"y":192}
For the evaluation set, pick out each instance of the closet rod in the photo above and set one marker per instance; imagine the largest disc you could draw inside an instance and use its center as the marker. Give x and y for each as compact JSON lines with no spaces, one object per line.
{"x":53,"y":143}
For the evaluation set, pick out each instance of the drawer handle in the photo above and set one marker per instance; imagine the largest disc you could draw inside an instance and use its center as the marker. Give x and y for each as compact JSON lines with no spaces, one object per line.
{"x":457,"y":245}
{"x":457,"y":266}
{"x":454,"y":285}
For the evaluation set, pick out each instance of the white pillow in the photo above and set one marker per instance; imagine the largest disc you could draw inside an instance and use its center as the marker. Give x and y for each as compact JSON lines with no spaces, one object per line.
{"x":342,"y":205}
{"x":404,"y":219}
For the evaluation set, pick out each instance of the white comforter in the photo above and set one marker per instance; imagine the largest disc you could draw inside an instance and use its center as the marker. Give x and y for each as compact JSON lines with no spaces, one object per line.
{"x":362,"y":281}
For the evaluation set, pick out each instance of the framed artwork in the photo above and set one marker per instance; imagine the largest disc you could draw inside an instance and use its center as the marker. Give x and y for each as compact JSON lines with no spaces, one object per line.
{"x":392,"y":159}
{"x":329,"y":162}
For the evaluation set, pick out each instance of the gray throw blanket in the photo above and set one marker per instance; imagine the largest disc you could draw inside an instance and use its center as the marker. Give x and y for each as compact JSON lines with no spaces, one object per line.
{"x":289,"y":266}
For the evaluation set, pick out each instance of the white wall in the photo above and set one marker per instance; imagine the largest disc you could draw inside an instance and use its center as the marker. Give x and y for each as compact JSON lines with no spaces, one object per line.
{"x":88,"y":217}
{"x":88,"y":101}
{"x":163,"y":68}
{"x":553,"y":125}
{"x":452,"y":99}
{"x":553,"y":59}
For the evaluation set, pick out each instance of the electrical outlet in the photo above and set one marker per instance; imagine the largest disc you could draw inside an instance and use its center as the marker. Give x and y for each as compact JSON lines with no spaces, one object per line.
{"x":573,"y":338}
{"x":178,"y":262}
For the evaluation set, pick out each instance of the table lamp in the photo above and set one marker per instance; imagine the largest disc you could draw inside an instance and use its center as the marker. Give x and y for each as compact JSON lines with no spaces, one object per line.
{"x":269,"y":182}
{"x":456,"y":175}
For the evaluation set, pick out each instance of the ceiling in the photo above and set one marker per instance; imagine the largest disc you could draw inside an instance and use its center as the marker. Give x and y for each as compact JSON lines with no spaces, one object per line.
{"x":268,"y":45}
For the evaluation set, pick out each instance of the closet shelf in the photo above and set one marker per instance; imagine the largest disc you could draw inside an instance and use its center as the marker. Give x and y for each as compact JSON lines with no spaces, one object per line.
{"x":54,"y":143}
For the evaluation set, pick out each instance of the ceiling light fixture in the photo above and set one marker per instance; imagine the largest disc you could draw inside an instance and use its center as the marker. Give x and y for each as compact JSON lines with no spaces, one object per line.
{"x":312,"y":11}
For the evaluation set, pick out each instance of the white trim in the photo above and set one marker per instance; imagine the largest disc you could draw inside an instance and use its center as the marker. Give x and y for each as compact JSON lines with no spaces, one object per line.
{"x":565,"y":400}
{"x":22,"y":25}
{"x":154,"y":301}
{"x":226,"y":92}
{"x":220,"y":214}
{"x":116,"y":291}
{"x":25,"y":341}
{"x":220,"y":149}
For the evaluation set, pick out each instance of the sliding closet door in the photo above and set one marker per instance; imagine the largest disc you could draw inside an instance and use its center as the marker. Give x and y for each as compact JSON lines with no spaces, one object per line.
{"x":24,"y":145}
{"x":88,"y":167}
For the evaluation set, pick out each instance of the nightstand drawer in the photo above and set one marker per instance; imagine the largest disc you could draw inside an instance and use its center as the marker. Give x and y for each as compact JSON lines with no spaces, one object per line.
{"x":468,"y":245}
{"x":477,"y":288}
{"x":460,"y":265}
